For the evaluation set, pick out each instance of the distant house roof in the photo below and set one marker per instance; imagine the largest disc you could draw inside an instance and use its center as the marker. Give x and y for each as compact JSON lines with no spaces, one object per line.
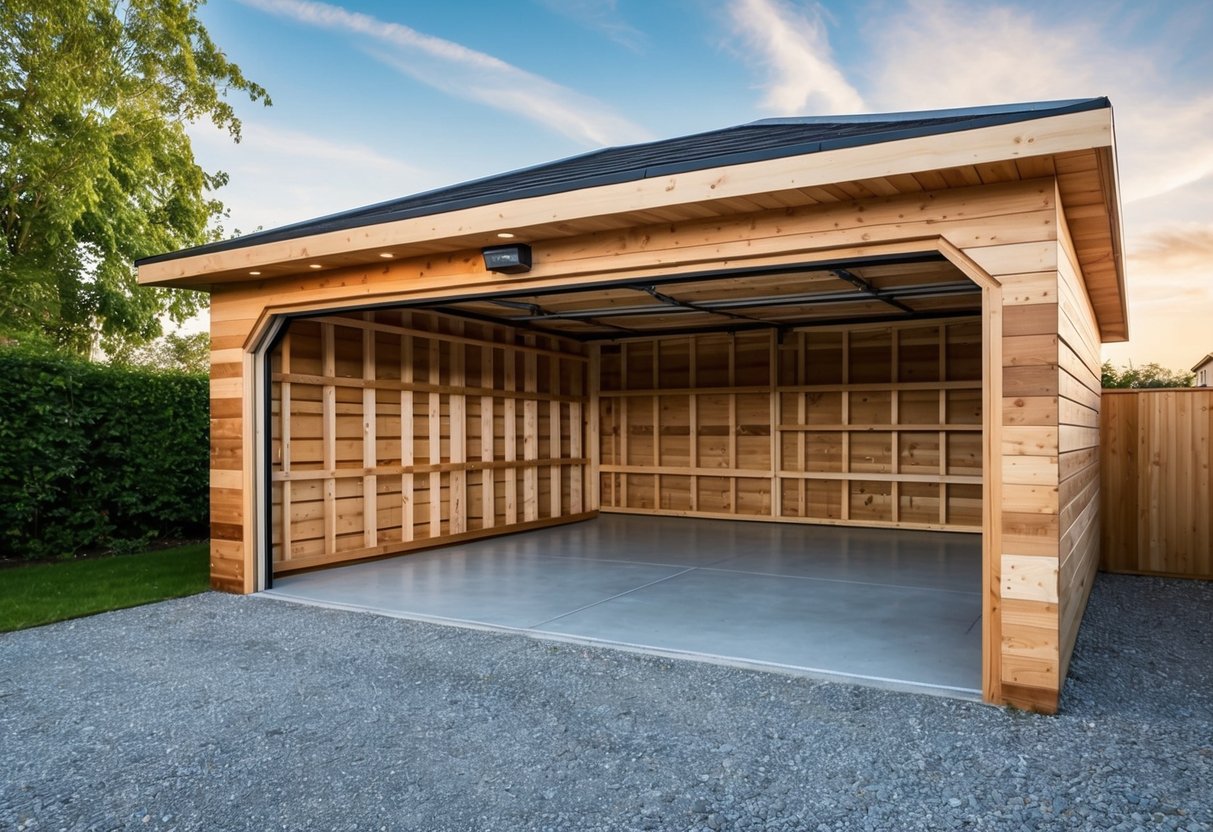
{"x":1208,"y":357}
{"x":758,"y":141}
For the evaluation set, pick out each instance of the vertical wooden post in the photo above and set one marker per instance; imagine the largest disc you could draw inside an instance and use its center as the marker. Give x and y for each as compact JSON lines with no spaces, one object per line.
{"x":457,"y":413}
{"x":655,"y":382}
{"x":407,"y":430}
{"x":328,"y":433}
{"x":510,"y":404}
{"x":624,"y":427}
{"x":555,"y":434}
{"x":846,"y":420}
{"x":530,"y":434}
{"x":370,"y":408}
{"x":733,"y":422}
{"x":594,"y":429}
{"x":802,"y":358}
{"x":488,"y":480}
{"x":943,"y":420}
{"x":284,"y":415}
{"x":775,"y":418}
{"x":991,"y":492}
{"x":693,"y":418}
{"x":435,"y":443}
{"x":894,"y":434}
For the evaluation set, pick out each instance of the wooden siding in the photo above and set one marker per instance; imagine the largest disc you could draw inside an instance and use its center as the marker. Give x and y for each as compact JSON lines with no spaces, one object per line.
{"x":1004,"y":236}
{"x":1078,"y":406}
{"x":399,"y":430}
{"x":867,"y":425}
{"x":1157,"y":483}
{"x":1074,"y":148}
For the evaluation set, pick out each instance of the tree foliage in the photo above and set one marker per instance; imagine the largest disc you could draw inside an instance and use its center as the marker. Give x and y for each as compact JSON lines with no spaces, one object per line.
{"x":188,"y":353}
{"x":96,"y":168}
{"x":1147,"y":375}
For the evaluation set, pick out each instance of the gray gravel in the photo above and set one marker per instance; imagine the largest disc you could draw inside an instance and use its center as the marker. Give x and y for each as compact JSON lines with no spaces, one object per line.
{"x":226,"y":713}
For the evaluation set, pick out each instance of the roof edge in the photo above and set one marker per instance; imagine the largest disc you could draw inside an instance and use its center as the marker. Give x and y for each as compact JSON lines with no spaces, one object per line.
{"x":1074,"y":105}
{"x":986,"y":116}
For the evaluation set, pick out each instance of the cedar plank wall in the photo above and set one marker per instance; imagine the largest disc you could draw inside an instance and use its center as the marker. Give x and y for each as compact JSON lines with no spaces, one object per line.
{"x":1078,"y":399}
{"x":1009,"y":230}
{"x":492,"y":429}
{"x":1157,"y":482}
{"x":854,"y":429}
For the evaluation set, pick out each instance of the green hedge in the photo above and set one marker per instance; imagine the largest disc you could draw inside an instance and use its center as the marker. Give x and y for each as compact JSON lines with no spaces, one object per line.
{"x":98,"y":457}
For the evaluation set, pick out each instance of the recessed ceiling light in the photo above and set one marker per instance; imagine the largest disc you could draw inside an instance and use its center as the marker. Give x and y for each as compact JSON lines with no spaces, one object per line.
{"x":386,"y":255}
{"x":254,"y":274}
{"x":505,"y":235}
{"x":315,"y":266}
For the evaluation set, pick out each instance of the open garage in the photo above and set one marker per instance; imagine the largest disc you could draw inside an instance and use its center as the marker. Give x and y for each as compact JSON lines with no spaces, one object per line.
{"x":873,"y":339}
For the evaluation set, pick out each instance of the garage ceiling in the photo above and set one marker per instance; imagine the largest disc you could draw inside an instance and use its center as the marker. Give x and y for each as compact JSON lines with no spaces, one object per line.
{"x":869,"y":290}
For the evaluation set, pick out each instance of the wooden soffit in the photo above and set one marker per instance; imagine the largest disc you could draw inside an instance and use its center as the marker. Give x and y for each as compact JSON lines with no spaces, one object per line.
{"x":1077,"y":148}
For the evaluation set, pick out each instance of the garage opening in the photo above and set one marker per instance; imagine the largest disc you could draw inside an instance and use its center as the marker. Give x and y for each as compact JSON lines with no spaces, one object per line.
{"x":841,"y":404}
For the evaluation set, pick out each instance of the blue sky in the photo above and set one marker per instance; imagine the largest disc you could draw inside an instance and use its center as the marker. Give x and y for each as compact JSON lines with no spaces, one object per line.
{"x":374,"y":100}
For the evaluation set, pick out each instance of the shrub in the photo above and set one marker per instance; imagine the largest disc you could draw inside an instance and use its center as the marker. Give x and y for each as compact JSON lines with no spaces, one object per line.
{"x":98,"y":457}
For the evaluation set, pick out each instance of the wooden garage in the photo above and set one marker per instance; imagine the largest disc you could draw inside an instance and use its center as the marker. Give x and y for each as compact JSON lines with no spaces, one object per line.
{"x":889,"y":321}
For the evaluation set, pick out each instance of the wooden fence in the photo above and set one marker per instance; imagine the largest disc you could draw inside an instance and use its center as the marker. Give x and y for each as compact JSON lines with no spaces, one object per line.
{"x":1157,"y":482}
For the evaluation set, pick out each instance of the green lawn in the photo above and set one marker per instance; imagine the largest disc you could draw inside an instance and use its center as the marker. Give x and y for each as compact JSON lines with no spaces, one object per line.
{"x":46,"y":592}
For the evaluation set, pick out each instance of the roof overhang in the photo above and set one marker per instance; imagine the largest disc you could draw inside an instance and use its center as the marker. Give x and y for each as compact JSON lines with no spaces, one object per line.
{"x":1080,"y":145}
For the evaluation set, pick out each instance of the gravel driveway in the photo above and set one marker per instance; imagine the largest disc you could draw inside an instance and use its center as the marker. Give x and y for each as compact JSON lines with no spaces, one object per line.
{"x":225,"y":713}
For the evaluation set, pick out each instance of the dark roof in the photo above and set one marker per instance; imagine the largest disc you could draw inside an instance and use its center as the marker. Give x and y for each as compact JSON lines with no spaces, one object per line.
{"x":758,"y":141}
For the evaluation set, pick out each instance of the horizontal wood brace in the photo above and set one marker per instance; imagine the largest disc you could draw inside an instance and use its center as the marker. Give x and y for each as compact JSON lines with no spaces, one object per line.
{"x":793,"y":388}
{"x":872,"y":476}
{"x":741,"y":473}
{"x":422,"y":387}
{"x":354,"y":323}
{"x":752,"y":474}
{"x":432,"y":468}
{"x":810,"y":428}
{"x":808,"y":521}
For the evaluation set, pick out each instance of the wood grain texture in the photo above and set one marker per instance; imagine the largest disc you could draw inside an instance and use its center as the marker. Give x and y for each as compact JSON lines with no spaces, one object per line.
{"x":379,"y":463}
{"x":860,"y":425}
{"x":1156,"y":482}
{"x":997,"y":431}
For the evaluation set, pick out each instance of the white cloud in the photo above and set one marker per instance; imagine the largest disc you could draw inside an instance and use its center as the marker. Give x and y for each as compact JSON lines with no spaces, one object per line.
{"x":279,"y":176}
{"x":793,"y":48}
{"x":945,"y":53}
{"x":602,"y":16}
{"x":460,"y":71}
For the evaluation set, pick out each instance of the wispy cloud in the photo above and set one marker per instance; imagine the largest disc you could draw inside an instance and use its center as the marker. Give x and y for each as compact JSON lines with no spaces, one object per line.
{"x":602,"y":16}
{"x":792,"y":47}
{"x":924,"y":57}
{"x":281,"y":175}
{"x":1164,"y":136}
{"x":1188,"y":247}
{"x":460,"y":71}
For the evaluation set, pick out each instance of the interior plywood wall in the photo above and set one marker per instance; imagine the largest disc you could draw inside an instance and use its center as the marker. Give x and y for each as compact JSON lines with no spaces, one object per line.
{"x":876,"y":426}
{"x":395,"y":430}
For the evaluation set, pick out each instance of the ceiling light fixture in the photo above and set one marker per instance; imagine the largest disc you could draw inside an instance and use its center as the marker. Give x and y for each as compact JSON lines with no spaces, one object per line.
{"x":254,"y":274}
{"x":505,"y":235}
{"x":315,"y":266}
{"x":386,"y":255}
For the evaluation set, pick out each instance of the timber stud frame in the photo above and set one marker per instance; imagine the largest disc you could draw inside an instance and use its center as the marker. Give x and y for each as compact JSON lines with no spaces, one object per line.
{"x":834,"y":230}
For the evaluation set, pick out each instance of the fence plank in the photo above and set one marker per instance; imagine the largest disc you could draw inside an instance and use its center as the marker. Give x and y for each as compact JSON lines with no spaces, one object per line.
{"x":1157,"y":482}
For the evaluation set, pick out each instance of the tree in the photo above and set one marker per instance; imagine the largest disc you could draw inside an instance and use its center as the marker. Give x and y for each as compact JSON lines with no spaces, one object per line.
{"x":1149,"y":375}
{"x":174,"y":351}
{"x":96,"y":168}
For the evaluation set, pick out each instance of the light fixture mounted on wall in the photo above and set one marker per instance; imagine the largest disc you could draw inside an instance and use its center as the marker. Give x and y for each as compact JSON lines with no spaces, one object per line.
{"x":512,"y":259}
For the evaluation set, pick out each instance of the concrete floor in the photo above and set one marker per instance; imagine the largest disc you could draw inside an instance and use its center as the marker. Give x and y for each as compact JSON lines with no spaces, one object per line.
{"x":897,"y":608}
